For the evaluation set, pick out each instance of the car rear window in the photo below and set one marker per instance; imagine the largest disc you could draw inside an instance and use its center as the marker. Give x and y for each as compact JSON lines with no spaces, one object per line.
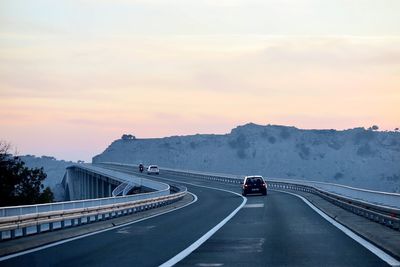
{"x":254,"y":180}
{"x":153,"y":167}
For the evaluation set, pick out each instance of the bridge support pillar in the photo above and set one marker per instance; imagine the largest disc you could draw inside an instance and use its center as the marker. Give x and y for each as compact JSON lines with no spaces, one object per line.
{"x":87,"y":182}
{"x":82,"y":189}
{"x":95,"y":187}
{"x":105,"y":189}
{"x":101,"y":188}
{"x":109,"y":190}
{"x":90,"y":187}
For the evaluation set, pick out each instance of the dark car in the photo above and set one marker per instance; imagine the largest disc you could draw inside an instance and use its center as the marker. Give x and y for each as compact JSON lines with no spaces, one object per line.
{"x":254,"y":185}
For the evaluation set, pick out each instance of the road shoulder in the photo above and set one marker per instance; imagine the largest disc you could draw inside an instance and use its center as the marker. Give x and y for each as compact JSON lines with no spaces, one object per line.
{"x":382,"y":236}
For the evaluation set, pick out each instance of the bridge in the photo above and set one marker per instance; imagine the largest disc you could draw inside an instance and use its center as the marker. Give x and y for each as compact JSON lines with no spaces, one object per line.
{"x":118,"y":216}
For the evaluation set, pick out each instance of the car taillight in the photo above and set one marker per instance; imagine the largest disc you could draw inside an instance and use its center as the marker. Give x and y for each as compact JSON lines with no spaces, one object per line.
{"x":264,"y":185}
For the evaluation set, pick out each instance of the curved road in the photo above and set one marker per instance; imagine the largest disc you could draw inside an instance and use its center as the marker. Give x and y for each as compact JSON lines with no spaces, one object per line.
{"x":276,"y":230}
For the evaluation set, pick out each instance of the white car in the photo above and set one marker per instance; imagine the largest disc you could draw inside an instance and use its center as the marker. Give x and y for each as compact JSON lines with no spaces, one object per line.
{"x":153,"y":169}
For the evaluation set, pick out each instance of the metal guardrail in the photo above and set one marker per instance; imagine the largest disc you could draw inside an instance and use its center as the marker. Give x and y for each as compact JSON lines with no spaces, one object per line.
{"x":25,"y":220}
{"x":368,"y":196}
{"x":384,"y":214}
{"x":17,"y":226}
{"x":162,"y":190}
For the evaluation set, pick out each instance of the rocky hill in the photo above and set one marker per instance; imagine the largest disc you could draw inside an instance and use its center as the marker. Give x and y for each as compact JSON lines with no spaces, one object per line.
{"x":356,"y":157}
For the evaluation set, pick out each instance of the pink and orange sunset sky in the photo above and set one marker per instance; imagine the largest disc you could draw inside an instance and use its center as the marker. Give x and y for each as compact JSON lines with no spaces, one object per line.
{"x":76,"y":75}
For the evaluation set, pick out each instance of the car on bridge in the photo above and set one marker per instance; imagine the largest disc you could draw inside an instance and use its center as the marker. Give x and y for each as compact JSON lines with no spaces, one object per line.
{"x":254,"y":185}
{"x":153,"y":169}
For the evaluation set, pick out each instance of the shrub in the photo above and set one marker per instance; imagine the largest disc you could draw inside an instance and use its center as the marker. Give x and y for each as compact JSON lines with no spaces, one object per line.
{"x":365,"y":151}
{"x":284,"y":134}
{"x":20,"y":185}
{"x":338,"y":176}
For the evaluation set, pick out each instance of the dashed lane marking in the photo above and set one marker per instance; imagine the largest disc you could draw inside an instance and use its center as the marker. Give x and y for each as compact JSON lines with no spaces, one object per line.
{"x":209,"y":264}
{"x":255,"y":205}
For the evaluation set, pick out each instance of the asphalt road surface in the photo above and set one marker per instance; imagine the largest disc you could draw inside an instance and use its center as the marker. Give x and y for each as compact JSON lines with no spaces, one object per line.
{"x":273,"y":230}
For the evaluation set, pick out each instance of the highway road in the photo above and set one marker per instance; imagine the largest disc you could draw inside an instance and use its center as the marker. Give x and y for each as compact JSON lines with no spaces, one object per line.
{"x":276,"y":230}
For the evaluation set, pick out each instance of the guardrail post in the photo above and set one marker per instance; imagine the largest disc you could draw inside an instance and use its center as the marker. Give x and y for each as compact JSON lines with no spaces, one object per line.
{"x":24,"y":231}
{"x":51,"y":226}
{"x":38,"y":228}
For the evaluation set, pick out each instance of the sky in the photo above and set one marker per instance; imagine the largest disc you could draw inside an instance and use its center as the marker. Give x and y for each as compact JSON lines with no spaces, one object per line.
{"x":77,"y":74}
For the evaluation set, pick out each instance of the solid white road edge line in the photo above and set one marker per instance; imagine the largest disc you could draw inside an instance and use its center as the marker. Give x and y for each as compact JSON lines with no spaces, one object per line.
{"x":93,"y":233}
{"x":368,"y":245}
{"x":184,"y":253}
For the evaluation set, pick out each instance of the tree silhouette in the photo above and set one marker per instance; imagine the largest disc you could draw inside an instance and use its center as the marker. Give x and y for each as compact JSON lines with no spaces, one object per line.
{"x":373,"y":128}
{"x":20,"y":185}
{"x":128,"y":137}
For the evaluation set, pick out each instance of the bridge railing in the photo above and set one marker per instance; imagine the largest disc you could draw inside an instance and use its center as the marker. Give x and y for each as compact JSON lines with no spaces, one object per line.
{"x":385,"y":215}
{"x":163,"y":190}
{"x":380,"y":207}
{"x":23,"y":220}
{"x":363,"y":195}
{"x":16,"y":226}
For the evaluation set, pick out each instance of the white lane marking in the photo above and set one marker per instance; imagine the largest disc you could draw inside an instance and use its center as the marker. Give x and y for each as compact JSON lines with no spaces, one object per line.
{"x":123,"y":232}
{"x":368,"y":245}
{"x":93,"y":233}
{"x":209,"y":264}
{"x":255,"y":205}
{"x":184,"y":253}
